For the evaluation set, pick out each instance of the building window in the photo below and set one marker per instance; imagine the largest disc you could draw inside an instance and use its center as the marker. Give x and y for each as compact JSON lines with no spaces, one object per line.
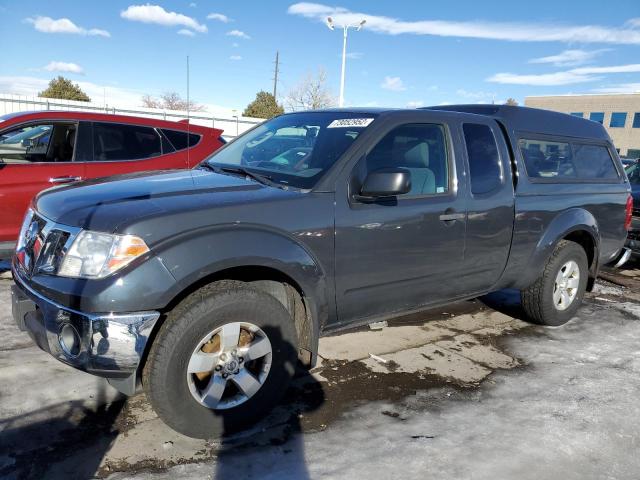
{"x":636,"y":120}
{"x":577,"y":114}
{"x":618,"y":119}
{"x":597,"y":117}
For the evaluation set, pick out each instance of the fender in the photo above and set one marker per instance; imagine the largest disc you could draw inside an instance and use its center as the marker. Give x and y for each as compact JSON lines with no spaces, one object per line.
{"x":195,"y":257}
{"x":565,"y":223}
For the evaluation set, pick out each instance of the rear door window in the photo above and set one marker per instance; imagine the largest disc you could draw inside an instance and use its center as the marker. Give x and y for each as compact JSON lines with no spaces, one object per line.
{"x":484,"y":160}
{"x":180,"y":140}
{"x":116,"y":141}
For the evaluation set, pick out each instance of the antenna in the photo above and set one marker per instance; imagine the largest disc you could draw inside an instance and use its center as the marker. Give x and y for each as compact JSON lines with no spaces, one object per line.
{"x":275,"y":78}
{"x":188,"y":119}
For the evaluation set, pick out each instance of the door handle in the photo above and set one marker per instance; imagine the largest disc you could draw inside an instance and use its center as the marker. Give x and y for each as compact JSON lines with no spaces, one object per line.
{"x":449,"y":217}
{"x":64,"y":179}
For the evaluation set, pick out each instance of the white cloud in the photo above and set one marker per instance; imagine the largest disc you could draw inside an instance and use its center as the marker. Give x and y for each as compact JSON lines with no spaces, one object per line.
{"x":633,"y":22}
{"x":235,"y":45}
{"x":619,"y":88}
{"x":219,"y":17}
{"x":631,"y":68}
{"x":355,"y":55}
{"x":157,"y":15}
{"x":64,"y":67}
{"x":474,"y":95}
{"x":545,"y":79}
{"x":186,"y":32}
{"x":63,"y":25}
{"x":415,"y":104}
{"x":32,"y":85}
{"x":395,"y":84}
{"x":575,"y":75}
{"x":235,"y":57}
{"x":193,"y":4}
{"x":239,"y":34}
{"x":512,"y":31}
{"x":570,"y":58}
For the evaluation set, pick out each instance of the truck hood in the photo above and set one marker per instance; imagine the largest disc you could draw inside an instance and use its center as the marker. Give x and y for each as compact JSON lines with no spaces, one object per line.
{"x":110,"y":204}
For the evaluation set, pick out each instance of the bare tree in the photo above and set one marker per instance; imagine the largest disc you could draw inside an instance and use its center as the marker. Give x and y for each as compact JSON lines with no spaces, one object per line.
{"x":511,"y":101}
{"x":171,"y":101}
{"x":310,"y":93}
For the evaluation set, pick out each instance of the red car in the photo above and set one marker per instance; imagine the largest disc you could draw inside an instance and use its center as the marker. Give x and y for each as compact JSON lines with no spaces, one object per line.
{"x":42,"y":149}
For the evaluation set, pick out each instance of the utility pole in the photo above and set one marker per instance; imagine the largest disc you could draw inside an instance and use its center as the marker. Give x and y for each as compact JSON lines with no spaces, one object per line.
{"x":275,"y":77}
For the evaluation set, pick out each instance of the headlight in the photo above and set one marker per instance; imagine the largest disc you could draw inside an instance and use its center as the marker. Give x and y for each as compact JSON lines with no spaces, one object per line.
{"x":96,"y":255}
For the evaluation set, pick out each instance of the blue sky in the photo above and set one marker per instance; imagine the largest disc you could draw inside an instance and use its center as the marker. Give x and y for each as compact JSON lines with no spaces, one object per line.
{"x":409,"y":53}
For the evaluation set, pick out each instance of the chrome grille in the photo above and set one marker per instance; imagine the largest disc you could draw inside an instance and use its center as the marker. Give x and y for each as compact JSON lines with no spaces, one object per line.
{"x":31,"y":243}
{"x":42,"y":245}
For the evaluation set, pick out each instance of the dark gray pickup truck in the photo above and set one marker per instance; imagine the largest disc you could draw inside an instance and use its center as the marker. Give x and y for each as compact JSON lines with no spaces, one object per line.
{"x":208,"y":286}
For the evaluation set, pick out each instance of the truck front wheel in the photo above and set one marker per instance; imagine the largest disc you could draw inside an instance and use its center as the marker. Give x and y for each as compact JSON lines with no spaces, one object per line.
{"x":221,"y":360}
{"x":556,"y":295}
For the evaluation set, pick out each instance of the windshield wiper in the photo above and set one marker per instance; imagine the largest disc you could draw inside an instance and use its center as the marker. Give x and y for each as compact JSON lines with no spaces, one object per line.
{"x":263,"y":179}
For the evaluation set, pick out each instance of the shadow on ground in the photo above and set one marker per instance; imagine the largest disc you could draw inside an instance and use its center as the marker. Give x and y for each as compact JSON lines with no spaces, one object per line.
{"x":68,"y":440}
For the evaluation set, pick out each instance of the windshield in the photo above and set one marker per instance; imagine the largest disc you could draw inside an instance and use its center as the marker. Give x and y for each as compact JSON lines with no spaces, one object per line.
{"x":294,"y":149}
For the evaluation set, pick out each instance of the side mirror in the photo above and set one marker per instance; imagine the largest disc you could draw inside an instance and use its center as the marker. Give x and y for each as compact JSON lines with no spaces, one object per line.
{"x":386,"y":182}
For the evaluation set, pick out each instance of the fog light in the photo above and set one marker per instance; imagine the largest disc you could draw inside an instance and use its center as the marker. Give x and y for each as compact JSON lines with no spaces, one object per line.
{"x":69,"y":340}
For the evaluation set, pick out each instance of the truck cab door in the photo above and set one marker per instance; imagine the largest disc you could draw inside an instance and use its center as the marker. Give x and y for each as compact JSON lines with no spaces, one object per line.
{"x":490,"y":204}
{"x":400,"y":253}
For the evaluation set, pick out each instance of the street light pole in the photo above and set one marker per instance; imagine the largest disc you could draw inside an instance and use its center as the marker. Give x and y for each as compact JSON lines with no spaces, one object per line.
{"x":345,"y":29}
{"x":344,"y":64}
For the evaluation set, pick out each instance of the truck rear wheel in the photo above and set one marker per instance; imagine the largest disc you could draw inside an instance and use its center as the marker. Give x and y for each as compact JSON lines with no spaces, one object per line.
{"x":221,"y":360}
{"x":557,"y":294}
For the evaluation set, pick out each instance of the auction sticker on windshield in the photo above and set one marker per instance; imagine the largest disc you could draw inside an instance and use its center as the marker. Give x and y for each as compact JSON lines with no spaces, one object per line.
{"x":350,"y":122}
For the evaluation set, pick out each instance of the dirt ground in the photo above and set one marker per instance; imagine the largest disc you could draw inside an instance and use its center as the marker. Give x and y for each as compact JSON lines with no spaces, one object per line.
{"x":469,"y":391}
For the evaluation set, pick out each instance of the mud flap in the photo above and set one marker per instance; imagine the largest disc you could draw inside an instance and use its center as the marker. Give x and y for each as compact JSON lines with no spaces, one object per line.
{"x":126,"y":385}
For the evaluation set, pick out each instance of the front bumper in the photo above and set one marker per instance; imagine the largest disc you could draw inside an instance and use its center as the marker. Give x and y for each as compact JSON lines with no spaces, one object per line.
{"x":108,"y":345}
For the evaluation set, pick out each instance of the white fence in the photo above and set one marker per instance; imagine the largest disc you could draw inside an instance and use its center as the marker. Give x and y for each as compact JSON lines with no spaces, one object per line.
{"x":231,"y":124}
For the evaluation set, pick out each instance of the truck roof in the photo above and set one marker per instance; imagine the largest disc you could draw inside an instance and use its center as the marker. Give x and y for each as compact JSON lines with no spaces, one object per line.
{"x":514,"y":118}
{"x":534,"y":120}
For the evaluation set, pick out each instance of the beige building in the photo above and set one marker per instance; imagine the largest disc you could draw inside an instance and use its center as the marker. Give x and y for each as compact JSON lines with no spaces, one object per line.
{"x":619,"y":113}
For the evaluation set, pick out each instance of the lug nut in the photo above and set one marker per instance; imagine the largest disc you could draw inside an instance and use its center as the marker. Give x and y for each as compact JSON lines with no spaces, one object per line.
{"x":241,"y":359}
{"x":225,"y":375}
{"x":234,"y":352}
{"x":223,"y":356}
{"x":218,"y":368}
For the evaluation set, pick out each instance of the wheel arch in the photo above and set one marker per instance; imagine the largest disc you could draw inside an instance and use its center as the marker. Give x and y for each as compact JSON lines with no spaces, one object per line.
{"x":303,"y":308}
{"x":576,"y":225}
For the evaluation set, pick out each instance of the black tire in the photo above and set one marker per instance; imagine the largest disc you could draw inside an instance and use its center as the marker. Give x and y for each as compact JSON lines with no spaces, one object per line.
{"x":164,"y":376}
{"x":537,"y":300}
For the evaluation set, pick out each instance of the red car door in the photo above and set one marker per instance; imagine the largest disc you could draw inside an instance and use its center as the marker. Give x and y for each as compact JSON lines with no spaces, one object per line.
{"x":33,"y":157}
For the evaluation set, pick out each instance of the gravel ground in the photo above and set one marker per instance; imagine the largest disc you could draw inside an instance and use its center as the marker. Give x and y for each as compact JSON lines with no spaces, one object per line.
{"x":468,"y":392}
